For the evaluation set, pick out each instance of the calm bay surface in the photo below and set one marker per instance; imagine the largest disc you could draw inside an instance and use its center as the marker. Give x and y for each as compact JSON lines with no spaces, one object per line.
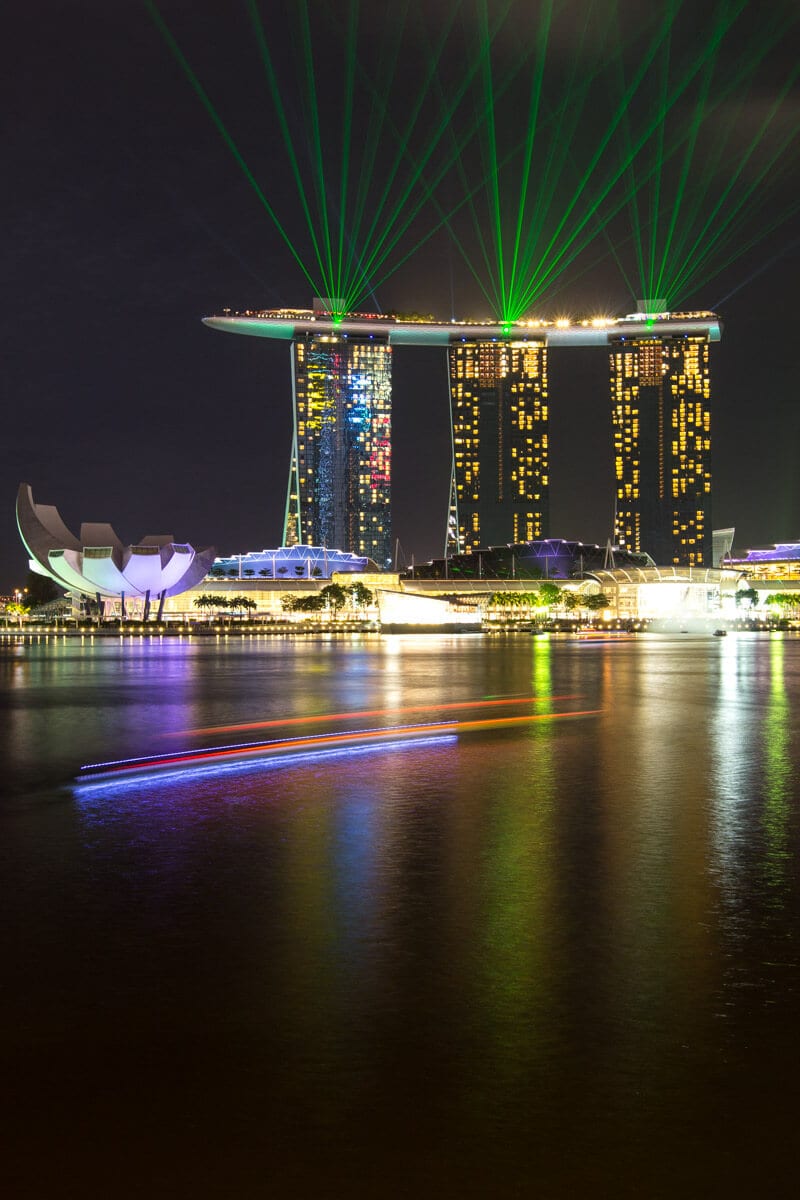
{"x":548,"y":946}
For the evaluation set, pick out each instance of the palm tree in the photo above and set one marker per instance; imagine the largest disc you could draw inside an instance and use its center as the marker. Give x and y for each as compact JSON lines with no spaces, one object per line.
{"x":241,"y":604}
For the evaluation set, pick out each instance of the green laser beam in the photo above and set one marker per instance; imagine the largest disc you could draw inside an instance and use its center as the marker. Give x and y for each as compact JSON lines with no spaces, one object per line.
{"x":280,"y":111}
{"x":687,"y":203}
{"x":223,"y":131}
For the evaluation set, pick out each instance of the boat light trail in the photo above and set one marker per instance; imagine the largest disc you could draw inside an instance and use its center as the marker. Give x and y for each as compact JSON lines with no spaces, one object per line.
{"x":367,"y":712}
{"x":291,"y":745}
{"x":135,"y":779}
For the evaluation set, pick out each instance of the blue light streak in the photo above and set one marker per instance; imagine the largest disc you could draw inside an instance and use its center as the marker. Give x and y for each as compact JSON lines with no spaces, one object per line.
{"x":280,"y":744}
{"x":145,"y":776}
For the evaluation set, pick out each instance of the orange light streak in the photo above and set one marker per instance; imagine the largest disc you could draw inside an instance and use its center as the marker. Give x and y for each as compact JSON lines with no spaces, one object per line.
{"x":350,"y":736}
{"x":368,"y":712}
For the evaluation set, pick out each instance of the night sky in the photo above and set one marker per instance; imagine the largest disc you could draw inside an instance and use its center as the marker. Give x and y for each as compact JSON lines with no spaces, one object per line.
{"x":126,"y":219}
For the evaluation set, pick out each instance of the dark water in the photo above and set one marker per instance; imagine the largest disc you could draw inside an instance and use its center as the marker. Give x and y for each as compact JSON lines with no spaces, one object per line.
{"x":550,"y":957}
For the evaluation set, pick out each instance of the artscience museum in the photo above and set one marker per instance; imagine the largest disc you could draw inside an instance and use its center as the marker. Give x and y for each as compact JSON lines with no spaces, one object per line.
{"x":97,"y":564}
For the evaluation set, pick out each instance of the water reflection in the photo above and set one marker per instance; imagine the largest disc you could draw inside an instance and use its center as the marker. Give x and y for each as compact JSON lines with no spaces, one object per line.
{"x":735,"y":762}
{"x":525,"y":952}
{"x":778,"y":769}
{"x":514,"y":924}
{"x":755,"y":771}
{"x":66,"y":703}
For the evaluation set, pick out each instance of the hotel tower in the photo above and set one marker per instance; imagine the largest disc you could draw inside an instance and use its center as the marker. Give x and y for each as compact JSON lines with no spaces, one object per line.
{"x":498,"y":407}
{"x":339,"y":492}
{"x":661,"y":419}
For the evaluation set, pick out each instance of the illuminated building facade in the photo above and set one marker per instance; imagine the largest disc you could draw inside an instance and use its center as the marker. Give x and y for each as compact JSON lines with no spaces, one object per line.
{"x":339,"y":492}
{"x":290,"y":562}
{"x":97,"y":564}
{"x":498,"y":407}
{"x":781,"y":561}
{"x":661,"y":418}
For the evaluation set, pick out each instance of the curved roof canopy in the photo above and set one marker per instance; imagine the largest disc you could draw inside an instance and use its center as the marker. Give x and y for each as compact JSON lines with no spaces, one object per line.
{"x":98,"y":564}
{"x":654,"y":574}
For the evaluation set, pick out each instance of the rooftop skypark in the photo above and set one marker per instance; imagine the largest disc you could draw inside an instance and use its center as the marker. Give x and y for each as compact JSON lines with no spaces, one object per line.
{"x":284,"y":324}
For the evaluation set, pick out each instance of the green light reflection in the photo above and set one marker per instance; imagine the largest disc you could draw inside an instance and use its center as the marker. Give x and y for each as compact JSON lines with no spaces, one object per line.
{"x":514,"y":971}
{"x":777,"y":768}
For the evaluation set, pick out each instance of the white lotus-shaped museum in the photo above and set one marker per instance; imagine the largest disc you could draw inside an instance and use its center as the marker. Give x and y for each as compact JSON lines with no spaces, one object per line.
{"x":97,"y":564}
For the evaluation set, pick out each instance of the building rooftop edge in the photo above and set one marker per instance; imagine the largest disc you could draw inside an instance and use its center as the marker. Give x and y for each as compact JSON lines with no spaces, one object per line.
{"x":287,"y":324}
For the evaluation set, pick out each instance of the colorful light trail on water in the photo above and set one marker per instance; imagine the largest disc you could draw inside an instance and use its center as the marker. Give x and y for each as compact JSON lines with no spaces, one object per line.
{"x":367,"y":712}
{"x":396,"y":734}
{"x":136,"y":779}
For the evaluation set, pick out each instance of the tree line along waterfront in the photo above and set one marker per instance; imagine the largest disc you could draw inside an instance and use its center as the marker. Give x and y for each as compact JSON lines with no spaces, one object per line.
{"x":333,"y":600}
{"x":354,"y":607}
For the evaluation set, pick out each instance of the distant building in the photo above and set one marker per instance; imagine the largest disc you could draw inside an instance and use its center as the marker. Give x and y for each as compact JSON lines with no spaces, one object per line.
{"x":399,"y":609}
{"x":498,"y":406}
{"x":673,"y":593}
{"x":780,"y":561}
{"x":661,"y":416}
{"x":291,"y":562}
{"x":551,"y":558}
